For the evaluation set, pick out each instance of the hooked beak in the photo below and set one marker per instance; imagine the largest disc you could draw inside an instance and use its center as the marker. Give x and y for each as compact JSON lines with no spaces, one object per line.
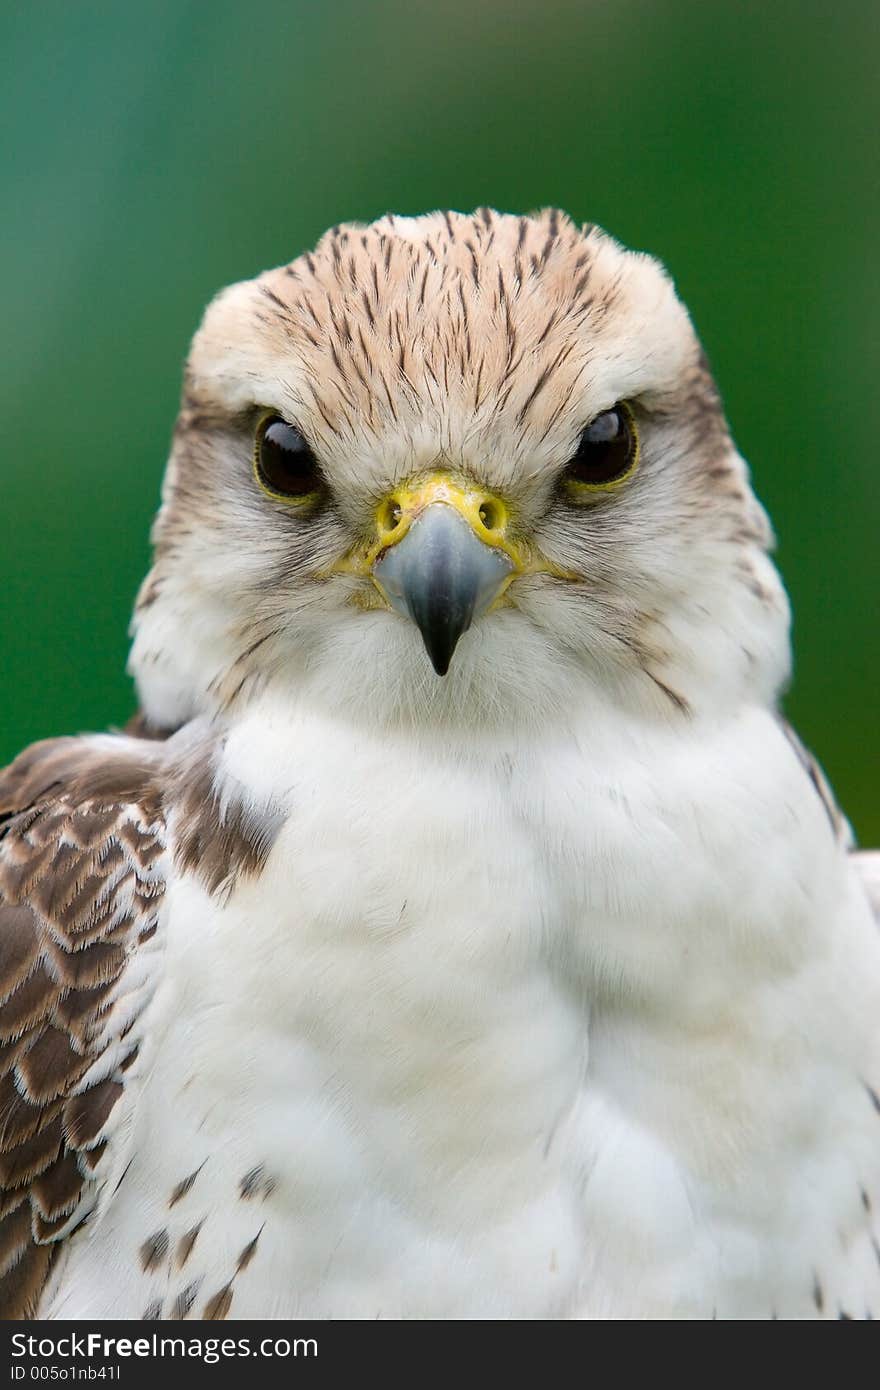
{"x":442,"y":576}
{"x":442,"y":553}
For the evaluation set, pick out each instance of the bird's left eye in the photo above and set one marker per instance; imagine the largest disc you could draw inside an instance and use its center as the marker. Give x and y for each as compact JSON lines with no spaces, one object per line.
{"x":284,"y":464}
{"x":607,"y":452}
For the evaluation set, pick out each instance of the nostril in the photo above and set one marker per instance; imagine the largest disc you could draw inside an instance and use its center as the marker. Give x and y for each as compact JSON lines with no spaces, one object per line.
{"x":490,"y":515}
{"x":390,"y":516}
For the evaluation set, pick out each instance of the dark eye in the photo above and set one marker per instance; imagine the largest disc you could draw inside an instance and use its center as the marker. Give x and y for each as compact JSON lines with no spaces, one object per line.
{"x":607,"y":450}
{"x":284,"y":464}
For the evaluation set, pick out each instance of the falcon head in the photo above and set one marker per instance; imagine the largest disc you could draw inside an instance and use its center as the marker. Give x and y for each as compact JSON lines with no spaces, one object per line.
{"x":456,"y":466}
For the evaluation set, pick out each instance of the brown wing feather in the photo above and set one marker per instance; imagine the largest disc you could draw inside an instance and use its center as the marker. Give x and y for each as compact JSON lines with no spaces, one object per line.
{"x":81,"y":840}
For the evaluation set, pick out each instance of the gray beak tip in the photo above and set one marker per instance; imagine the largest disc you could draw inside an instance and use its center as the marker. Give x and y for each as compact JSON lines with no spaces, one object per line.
{"x":442,"y":576}
{"x":440,"y":663}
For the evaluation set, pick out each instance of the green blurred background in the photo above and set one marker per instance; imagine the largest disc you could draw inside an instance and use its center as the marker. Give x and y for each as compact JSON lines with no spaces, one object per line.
{"x":153,"y":152}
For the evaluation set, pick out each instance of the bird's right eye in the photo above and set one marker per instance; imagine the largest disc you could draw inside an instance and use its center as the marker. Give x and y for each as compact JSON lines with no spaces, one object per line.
{"x":284,"y":464}
{"x":607,"y":454}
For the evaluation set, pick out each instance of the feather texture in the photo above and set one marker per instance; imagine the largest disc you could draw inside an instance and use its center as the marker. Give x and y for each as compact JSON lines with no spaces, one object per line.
{"x":81,"y":845}
{"x":548,"y":989}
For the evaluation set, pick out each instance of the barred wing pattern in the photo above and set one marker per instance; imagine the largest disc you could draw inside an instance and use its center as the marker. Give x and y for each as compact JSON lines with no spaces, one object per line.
{"x":81,"y":881}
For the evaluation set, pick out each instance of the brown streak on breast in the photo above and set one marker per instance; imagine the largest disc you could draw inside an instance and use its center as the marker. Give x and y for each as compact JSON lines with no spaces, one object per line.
{"x":184,"y":1301}
{"x":154,"y":1250}
{"x":248,"y":1253}
{"x":217,"y":1308}
{"x":184,"y":1186}
{"x":185,"y":1245}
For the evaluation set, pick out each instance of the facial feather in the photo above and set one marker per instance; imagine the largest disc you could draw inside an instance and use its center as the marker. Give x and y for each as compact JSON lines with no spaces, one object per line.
{"x":483,"y":346}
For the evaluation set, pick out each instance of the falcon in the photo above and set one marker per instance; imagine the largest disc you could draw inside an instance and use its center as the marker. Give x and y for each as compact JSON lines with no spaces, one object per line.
{"x":458,"y":931}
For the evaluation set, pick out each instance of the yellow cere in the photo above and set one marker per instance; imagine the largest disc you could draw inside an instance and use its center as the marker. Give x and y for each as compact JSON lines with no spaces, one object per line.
{"x":487,"y":514}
